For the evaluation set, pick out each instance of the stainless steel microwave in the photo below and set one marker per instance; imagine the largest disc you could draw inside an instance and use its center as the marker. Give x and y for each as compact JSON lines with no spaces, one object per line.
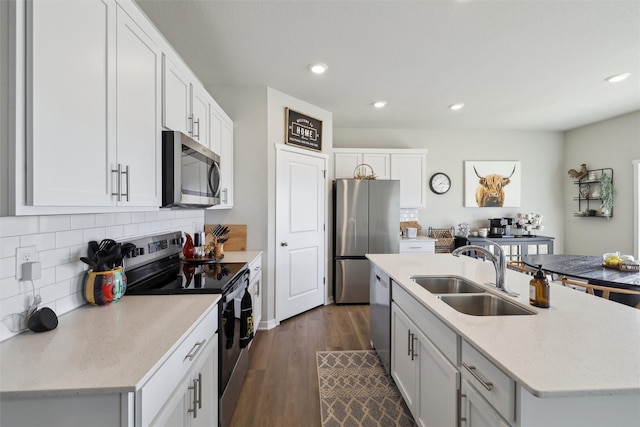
{"x":190,"y":173}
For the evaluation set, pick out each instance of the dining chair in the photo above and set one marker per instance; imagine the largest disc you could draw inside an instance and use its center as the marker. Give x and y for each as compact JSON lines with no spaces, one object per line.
{"x":521,"y":267}
{"x":606,"y":290}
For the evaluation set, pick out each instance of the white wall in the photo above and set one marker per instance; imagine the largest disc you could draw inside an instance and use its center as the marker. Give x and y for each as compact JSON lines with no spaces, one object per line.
{"x":60,"y":241}
{"x":612,"y":143}
{"x":542,"y":170}
{"x":258,"y":116}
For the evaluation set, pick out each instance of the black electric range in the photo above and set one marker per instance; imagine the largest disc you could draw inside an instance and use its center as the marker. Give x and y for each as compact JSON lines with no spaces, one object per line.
{"x":156,"y":268}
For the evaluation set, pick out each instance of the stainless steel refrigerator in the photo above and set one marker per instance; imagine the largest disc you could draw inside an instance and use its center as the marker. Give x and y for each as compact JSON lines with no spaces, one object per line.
{"x":366,"y":221}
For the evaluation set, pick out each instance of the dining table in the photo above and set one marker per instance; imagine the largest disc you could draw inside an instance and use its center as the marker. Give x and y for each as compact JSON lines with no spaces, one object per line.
{"x":591,"y":269}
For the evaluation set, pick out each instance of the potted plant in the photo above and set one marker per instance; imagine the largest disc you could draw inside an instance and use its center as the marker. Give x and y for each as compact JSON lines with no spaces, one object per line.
{"x":606,"y":194}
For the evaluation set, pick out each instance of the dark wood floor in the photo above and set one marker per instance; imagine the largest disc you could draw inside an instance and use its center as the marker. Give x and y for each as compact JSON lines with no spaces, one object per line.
{"x":281,"y":387}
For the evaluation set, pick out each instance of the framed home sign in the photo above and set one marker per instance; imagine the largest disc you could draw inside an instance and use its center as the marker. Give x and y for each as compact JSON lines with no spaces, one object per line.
{"x":303,"y":131}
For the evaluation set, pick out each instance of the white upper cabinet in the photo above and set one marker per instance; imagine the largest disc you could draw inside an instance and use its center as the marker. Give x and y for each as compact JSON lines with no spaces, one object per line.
{"x":176,"y":99}
{"x":346,"y":163}
{"x":138,"y":115}
{"x":408,"y":166}
{"x":70,"y":102}
{"x":221,"y":143}
{"x":186,"y":103}
{"x":93,"y":92}
{"x":93,"y":109}
{"x":411,"y":170}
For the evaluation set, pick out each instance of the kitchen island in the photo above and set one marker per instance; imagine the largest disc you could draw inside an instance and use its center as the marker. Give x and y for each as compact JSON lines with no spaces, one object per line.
{"x":576,"y":363}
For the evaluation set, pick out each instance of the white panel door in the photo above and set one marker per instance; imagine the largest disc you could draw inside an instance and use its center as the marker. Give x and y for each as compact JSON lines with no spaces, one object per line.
{"x":138,"y":114}
{"x":176,"y":97}
{"x":71,"y":101}
{"x":300,"y":235}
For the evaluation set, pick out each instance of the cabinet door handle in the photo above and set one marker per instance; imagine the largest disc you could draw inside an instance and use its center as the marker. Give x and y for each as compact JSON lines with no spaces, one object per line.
{"x":195,"y":350}
{"x":413,"y":347}
{"x":472,"y":370}
{"x":190,"y":128}
{"x":463,"y":419}
{"x":258,"y":288}
{"x":126,"y":172}
{"x":408,"y":342}
{"x":118,"y":172}
{"x":199,"y":400}
{"x":194,"y":401}
{"x":197,"y":122}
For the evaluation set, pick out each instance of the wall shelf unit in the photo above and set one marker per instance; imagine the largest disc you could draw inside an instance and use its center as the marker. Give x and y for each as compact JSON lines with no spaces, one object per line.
{"x":589,"y":196}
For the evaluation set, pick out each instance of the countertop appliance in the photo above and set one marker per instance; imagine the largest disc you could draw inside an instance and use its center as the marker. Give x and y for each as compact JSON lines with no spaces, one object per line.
{"x":366,"y":218}
{"x":190,"y":172}
{"x":155,"y":267}
{"x":500,"y":227}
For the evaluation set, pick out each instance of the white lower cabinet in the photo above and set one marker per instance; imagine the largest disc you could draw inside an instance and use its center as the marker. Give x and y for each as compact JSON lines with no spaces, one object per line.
{"x":181,"y":391}
{"x":417,"y":246}
{"x":195,"y":401}
{"x":475,"y":411}
{"x":426,"y":379}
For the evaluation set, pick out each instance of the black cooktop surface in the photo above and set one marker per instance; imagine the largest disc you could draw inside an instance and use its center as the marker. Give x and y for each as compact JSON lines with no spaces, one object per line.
{"x":170,"y":276}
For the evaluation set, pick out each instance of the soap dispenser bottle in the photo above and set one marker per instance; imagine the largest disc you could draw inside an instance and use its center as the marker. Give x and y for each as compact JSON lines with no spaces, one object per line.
{"x":539,"y":289}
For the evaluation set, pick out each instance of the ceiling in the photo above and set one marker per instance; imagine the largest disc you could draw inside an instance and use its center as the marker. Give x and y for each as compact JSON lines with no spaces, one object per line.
{"x":515,"y":64}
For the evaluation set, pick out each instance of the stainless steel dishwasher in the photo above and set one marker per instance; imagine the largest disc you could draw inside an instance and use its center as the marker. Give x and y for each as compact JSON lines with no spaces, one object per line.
{"x":380,"y":315}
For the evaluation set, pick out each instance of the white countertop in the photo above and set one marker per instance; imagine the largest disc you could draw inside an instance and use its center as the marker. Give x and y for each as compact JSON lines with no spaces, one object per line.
{"x":418,"y":238}
{"x":240,"y":256}
{"x":100,"y":349}
{"x":582,"y":345}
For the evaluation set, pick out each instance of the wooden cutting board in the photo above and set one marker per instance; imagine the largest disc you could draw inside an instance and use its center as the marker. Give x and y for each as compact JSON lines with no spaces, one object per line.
{"x":237,"y":236}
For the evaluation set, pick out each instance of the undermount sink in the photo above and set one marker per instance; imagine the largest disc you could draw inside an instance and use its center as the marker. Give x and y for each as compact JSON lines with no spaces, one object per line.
{"x":447,"y":284}
{"x":484,"y":305}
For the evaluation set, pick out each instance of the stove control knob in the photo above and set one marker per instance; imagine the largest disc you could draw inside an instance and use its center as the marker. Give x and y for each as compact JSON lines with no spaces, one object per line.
{"x":140,"y":251}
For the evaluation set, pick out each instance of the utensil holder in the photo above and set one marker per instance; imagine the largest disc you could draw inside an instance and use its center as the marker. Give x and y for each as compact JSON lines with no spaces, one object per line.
{"x":104,"y":287}
{"x":218,"y":250}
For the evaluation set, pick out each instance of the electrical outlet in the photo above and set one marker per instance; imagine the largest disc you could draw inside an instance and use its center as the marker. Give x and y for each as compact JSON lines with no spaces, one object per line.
{"x":26,"y":254}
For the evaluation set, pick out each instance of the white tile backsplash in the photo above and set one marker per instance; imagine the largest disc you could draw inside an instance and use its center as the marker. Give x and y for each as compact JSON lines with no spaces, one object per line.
{"x":60,"y":241}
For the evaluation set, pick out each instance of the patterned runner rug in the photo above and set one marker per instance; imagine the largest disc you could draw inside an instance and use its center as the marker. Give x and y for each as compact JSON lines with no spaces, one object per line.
{"x":355,"y":390}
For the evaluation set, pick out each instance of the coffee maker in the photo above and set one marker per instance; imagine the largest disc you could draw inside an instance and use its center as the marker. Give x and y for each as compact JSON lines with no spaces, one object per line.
{"x":500,"y":227}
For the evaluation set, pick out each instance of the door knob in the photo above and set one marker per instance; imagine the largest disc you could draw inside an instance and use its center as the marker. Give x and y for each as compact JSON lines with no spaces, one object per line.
{"x":284,"y":244}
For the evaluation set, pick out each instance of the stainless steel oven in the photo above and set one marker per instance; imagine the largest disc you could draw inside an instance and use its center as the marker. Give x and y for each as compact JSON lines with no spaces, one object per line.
{"x":190,"y":172}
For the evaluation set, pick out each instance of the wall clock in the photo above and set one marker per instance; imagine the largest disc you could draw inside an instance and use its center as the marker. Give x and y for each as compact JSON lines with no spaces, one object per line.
{"x":440,"y":183}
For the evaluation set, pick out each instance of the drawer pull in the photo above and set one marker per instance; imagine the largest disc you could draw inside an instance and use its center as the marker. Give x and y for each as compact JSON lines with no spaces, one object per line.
{"x":195,"y":350}
{"x":472,"y":371}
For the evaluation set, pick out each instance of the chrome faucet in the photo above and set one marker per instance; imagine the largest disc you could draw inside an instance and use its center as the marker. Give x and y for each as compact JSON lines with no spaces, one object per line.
{"x":499,"y":263}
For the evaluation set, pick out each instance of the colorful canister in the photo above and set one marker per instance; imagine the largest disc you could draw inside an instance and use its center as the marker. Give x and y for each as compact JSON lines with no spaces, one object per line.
{"x":104,"y":287}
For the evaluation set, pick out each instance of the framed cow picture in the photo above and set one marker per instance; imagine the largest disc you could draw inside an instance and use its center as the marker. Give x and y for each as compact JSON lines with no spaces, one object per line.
{"x":490,"y":184}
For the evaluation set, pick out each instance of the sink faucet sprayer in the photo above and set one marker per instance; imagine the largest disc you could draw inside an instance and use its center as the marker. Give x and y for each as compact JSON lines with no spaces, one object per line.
{"x":499,"y":263}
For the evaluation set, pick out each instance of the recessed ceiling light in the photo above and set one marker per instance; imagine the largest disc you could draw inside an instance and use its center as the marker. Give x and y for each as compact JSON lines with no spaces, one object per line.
{"x":318,"y":68}
{"x":379,"y":104}
{"x":617,"y":77}
{"x":456,"y":107}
